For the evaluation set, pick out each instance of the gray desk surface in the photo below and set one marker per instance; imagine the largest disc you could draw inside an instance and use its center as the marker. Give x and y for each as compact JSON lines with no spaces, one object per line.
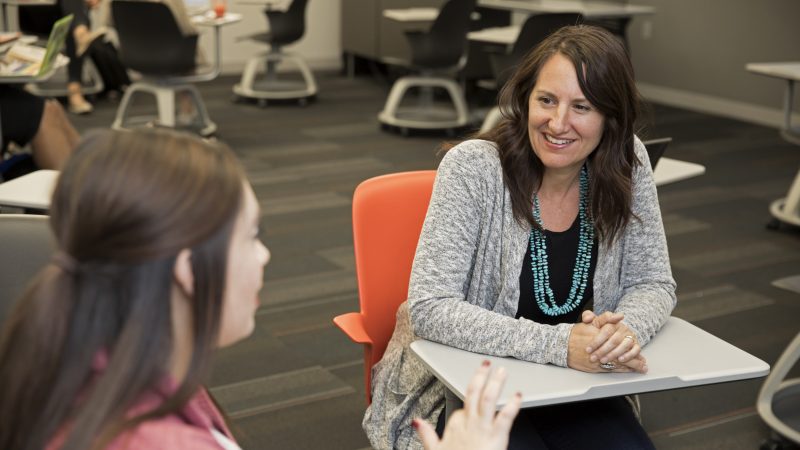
{"x":670,"y":170}
{"x":681,"y":355}
{"x":590,"y":10}
{"x":29,"y":191}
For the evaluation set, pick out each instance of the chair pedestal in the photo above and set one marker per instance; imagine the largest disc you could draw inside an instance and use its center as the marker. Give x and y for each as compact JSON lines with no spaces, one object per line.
{"x":425,"y":117}
{"x":164,"y":94}
{"x":270,"y":87}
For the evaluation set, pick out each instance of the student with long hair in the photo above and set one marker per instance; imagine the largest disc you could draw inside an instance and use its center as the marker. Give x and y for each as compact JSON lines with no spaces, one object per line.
{"x":159,"y":263}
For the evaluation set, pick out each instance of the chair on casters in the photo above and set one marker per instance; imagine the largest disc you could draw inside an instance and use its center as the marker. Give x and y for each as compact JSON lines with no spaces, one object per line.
{"x":655,"y":149}
{"x":285,"y":27}
{"x":535,"y":29}
{"x":437,"y":55}
{"x":165,"y":58}
{"x":388,"y":212}
{"x":26,"y":247}
{"x":778,"y":401}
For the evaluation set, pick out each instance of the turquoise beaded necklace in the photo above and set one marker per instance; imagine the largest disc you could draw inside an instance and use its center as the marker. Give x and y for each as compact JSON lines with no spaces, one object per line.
{"x":539,"y":265}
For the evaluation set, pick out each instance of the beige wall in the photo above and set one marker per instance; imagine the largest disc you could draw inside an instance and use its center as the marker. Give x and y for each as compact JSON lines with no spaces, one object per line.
{"x":692,"y":53}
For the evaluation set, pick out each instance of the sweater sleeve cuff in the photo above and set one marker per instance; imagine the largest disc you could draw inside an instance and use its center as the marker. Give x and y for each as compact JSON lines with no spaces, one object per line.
{"x":560,"y":344}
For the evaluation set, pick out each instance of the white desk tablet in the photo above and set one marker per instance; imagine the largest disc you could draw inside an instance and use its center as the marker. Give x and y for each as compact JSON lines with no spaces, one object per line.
{"x":681,"y":355}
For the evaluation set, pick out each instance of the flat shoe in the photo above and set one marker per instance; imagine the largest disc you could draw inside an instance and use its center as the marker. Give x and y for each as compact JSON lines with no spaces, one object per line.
{"x":81,"y":108}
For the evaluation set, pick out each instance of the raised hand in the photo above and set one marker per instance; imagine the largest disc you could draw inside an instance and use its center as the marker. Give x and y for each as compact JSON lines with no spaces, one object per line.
{"x":477,"y":426}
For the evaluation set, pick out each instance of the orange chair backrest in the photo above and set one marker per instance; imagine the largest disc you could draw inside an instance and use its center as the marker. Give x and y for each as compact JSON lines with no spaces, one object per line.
{"x":388,"y":212}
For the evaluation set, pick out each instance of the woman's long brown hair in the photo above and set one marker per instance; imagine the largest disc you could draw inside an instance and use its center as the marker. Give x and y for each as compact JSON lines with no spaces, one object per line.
{"x":605,"y":76}
{"x":125,"y":205}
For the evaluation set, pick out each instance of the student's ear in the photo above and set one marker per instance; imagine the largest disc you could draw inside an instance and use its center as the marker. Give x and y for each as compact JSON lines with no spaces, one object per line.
{"x":184,"y":277}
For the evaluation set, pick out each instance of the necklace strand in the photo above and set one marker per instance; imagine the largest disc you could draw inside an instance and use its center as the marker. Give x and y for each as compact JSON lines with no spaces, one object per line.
{"x":542,"y":291}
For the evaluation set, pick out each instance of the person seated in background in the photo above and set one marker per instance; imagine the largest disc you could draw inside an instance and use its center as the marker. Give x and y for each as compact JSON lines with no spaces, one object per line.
{"x":39,"y":19}
{"x":544,"y":242}
{"x":158,"y":263}
{"x":28,"y":119}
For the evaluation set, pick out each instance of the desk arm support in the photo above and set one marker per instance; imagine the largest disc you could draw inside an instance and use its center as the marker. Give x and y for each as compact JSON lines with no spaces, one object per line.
{"x":353,"y":326}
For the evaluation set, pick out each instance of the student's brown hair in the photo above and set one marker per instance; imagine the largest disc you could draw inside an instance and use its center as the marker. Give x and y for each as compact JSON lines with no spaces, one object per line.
{"x":125,"y":205}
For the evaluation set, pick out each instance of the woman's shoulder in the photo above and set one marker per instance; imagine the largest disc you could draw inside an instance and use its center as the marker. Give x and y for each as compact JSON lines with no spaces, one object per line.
{"x":473,"y":151}
{"x":474,"y":160}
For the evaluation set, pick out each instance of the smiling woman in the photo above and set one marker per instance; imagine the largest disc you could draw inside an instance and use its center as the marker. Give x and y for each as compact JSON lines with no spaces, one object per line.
{"x":543,"y":241}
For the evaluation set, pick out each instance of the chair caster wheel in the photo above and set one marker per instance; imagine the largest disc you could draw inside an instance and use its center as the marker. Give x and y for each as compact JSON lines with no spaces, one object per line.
{"x":263,"y":103}
{"x":302,"y":102}
{"x":773,"y":224}
{"x":404,"y":131}
{"x":236,"y":99}
{"x":451,"y":133}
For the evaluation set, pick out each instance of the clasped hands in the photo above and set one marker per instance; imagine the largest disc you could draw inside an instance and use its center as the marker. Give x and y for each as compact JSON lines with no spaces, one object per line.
{"x":604,"y":340}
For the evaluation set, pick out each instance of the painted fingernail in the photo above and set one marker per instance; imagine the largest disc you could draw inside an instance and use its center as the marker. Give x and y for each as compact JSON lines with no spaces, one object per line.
{"x":415,"y":424}
{"x":518,"y":394}
{"x":486,"y":362}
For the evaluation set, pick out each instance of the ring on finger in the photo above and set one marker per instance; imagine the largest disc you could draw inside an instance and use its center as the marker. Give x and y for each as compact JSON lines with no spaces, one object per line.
{"x":629,"y":337}
{"x":608,"y":366}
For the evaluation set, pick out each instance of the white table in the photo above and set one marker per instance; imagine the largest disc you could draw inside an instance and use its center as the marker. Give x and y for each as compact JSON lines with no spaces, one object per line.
{"x":33,"y":190}
{"x":681,"y":355}
{"x":496,"y":35}
{"x":589,"y":9}
{"x":412,"y":14}
{"x":670,"y":170}
{"x":613,"y":16}
{"x":210,"y":20}
{"x":785,"y":209}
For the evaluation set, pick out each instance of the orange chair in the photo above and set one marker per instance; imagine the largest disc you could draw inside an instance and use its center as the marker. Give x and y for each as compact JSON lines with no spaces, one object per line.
{"x":388,"y":212}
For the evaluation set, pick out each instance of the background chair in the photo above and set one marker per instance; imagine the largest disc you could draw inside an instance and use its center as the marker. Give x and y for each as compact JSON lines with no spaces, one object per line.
{"x":778,"y":401}
{"x":655,"y":149}
{"x":166,"y":60}
{"x":535,"y":29}
{"x":38,"y":20}
{"x":285,"y":27}
{"x":438,"y":55}
{"x":388,"y":212}
{"x":26,"y":246}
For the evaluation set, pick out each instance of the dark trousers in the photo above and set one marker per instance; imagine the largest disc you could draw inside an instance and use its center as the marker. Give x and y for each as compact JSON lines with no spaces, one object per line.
{"x":595,"y":424}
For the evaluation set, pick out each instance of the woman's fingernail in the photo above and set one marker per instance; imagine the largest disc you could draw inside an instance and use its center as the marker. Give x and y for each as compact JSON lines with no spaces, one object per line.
{"x":518,"y":394}
{"x":486,"y":362}
{"x":415,"y":424}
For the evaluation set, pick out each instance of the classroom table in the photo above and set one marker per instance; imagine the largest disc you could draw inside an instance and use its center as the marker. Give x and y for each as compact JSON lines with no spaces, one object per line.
{"x":680,"y":355}
{"x":612,"y":16}
{"x":31,"y":191}
{"x":670,"y":170}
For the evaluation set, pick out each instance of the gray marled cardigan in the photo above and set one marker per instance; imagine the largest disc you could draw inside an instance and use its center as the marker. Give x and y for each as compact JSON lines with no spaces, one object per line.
{"x":464,"y":287}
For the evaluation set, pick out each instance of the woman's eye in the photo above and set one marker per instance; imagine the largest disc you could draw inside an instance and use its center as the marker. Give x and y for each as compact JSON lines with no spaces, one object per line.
{"x":546,"y":100}
{"x":582,"y":108}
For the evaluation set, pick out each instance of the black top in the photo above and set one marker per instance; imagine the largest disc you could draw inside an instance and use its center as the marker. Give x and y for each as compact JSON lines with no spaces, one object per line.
{"x":562,"y":250}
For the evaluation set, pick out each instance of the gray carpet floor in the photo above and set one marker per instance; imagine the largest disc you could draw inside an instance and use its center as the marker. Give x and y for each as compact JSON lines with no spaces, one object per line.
{"x":297,"y":383}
